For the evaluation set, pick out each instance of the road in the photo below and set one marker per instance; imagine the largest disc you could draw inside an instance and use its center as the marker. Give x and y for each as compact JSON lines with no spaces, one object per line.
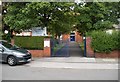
{"x":24,"y":72}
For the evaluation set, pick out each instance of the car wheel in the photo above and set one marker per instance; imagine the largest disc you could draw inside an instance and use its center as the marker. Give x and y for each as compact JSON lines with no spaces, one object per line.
{"x":12,"y":61}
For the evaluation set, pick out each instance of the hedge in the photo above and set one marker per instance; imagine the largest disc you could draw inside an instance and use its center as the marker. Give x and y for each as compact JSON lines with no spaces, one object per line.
{"x":105,"y":42}
{"x":30,"y":42}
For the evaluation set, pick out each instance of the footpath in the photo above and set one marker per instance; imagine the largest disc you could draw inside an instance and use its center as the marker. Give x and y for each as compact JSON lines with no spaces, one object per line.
{"x":74,"y":63}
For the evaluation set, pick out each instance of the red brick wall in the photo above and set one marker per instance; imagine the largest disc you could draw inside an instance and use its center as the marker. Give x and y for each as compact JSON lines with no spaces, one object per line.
{"x":78,"y":38}
{"x":37,"y":53}
{"x":65,"y":37}
{"x":40,"y":53}
{"x":47,"y":52}
{"x":113,"y":54}
{"x":90,"y":52}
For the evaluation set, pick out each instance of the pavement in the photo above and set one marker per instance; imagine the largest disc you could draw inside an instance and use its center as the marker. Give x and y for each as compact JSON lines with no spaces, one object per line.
{"x":74,"y":63}
{"x":70,"y":56}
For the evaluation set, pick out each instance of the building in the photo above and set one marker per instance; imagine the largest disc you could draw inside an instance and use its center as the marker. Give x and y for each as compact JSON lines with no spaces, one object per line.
{"x":36,"y":31}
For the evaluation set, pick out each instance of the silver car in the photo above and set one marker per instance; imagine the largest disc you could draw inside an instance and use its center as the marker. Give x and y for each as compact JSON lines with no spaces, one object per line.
{"x":13,"y":54}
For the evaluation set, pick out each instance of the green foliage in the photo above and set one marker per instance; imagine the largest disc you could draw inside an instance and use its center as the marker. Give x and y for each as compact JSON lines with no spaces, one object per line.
{"x":96,"y":16}
{"x":105,"y":42}
{"x":57,"y":17}
{"x":6,"y":37}
{"x":103,"y":25}
{"x":34,"y":42}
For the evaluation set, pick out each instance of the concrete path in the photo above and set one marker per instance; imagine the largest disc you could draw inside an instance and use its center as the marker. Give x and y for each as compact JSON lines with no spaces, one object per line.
{"x":70,"y":49}
{"x":74,"y":50}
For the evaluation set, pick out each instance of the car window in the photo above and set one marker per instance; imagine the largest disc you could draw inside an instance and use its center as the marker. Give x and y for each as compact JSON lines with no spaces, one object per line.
{"x":7,"y":45}
{"x":1,"y":48}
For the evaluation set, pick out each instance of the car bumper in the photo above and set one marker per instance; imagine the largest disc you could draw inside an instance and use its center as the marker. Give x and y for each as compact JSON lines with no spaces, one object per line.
{"x":23,"y":60}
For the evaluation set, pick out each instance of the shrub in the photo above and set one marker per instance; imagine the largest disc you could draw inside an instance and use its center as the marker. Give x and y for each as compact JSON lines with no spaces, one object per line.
{"x":6,"y":37}
{"x":104,"y":42}
{"x":33,"y":42}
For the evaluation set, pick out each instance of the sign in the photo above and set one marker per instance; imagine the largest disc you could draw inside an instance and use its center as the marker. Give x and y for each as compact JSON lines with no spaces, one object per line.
{"x":47,"y":43}
{"x":38,"y":31}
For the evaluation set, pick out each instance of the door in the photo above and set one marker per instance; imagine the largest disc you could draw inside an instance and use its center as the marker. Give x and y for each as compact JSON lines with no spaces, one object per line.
{"x":72,"y":38}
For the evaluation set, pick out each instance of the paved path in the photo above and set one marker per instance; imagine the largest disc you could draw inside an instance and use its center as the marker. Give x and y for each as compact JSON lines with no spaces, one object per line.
{"x":64,"y":52}
{"x":74,"y":50}
{"x":70,"y":49}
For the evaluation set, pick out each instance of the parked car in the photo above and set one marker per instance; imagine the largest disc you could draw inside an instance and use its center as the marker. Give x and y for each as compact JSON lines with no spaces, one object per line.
{"x":13,"y":54}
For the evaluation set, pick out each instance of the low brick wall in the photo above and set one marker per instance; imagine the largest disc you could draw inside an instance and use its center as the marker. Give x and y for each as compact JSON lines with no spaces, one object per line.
{"x":37,"y":53}
{"x":46,"y":52}
{"x":90,"y":52}
{"x":113,"y":54}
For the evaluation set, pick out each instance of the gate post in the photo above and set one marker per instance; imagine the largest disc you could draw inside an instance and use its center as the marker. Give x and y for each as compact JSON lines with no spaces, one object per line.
{"x":47,"y":47}
{"x":85,"y":54}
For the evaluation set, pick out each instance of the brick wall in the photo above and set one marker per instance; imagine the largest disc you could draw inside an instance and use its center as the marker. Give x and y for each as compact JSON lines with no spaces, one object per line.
{"x":46,"y":52}
{"x":113,"y":54}
{"x":65,"y":37}
{"x":37,"y":53}
{"x":90,"y":52}
{"x":78,"y":38}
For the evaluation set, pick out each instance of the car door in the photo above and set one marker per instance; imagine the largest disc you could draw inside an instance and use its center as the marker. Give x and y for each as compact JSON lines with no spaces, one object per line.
{"x":3,"y":54}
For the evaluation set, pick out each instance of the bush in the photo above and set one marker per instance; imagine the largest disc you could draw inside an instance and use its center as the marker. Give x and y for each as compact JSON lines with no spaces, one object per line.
{"x":6,"y":37}
{"x":104,"y":42}
{"x":27,"y":42}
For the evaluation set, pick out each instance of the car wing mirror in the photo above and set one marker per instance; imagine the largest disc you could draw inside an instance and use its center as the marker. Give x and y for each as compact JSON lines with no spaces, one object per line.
{"x":1,"y":50}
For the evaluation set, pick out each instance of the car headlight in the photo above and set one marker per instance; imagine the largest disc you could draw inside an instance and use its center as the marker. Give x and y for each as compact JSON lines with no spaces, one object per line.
{"x":18,"y":54}
{"x":28,"y":51}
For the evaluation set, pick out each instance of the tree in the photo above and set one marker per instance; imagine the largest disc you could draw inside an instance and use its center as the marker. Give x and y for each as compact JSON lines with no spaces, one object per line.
{"x":16,"y":19}
{"x":94,"y":16}
{"x":57,"y":17}
{"x":62,"y":18}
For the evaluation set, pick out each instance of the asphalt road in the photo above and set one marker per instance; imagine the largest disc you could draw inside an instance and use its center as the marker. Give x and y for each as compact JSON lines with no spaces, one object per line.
{"x":23,"y":72}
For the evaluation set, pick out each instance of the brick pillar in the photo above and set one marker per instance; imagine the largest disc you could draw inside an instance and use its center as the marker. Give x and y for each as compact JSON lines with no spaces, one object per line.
{"x":90,"y":52}
{"x":47,"y":47}
{"x":12,"y":41}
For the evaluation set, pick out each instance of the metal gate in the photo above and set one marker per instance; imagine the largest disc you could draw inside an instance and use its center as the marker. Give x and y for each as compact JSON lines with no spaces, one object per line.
{"x":59,"y":49}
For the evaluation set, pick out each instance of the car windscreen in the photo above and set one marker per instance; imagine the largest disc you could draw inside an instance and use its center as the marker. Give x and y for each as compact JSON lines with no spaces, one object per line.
{"x":9,"y":46}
